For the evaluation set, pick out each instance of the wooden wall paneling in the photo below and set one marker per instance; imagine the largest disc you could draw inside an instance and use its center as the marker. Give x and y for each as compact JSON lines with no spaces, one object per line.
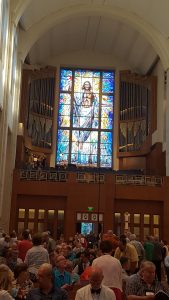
{"x":55,"y":223}
{"x":36,"y":220}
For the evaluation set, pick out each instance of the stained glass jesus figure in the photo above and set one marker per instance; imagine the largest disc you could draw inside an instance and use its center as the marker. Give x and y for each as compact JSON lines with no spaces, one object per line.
{"x":85,"y":116}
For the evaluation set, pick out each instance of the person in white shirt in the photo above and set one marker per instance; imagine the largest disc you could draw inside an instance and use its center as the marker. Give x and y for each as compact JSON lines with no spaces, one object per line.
{"x":111,"y":268}
{"x":95,"y":290}
{"x":36,"y":256}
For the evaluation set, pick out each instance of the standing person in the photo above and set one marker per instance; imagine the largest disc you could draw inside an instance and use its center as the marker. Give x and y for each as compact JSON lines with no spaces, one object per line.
{"x":84,"y":262}
{"x":165,"y":249}
{"x":125,"y":267}
{"x":24,"y":245}
{"x":157,"y":256}
{"x":36,"y":256}
{"x":129,"y":251}
{"x":111,"y":267}
{"x":139,"y":248}
{"x":46,"y":290}
{"x":111,"y":237}
{"x":95,"y":289}
{"x":50,"y":244}
{"x":149,"y":248}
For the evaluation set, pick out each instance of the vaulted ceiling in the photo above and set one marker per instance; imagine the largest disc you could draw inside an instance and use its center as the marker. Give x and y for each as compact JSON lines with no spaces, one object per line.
{"x":97,"y":32}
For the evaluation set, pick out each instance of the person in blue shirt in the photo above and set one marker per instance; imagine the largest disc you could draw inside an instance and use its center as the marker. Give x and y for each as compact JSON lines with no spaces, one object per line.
{"x":62,"y":278}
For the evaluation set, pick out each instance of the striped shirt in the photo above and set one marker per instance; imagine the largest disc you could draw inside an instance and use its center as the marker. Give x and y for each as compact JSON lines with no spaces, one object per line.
{"x":35,"y":257}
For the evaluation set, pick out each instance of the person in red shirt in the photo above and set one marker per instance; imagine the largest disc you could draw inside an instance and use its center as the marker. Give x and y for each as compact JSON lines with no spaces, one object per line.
{"x":24,"y":245}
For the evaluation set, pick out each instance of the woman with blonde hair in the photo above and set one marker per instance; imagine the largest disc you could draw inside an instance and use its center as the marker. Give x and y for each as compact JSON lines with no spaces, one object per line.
{"x":6,"y":277}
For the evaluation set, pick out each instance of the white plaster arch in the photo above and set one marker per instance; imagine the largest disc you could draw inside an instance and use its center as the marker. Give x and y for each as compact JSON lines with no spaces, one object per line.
{"x":156,"y":39}
{"x":18,"y":7}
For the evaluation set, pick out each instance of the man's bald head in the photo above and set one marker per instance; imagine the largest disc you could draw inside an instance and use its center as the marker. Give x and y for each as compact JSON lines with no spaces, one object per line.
{"x":45,"y":277}
{"x":96,"y":277}
{"x":46,"y":269}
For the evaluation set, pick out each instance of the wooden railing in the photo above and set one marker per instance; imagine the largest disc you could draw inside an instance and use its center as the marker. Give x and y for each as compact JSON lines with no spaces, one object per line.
{"x":139,"y":180}
{"x":43,"y":175}
{"x":87,"y":177}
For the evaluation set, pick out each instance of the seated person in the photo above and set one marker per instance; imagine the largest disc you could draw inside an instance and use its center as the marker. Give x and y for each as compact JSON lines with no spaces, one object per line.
{"x":95,"y":289}
{"x":22,"y":283}
{"x":75,"y":279}
{"x":62,"y":278}
{"x":46,"y":289}
{"x":12,"y":259}
{"x":68,"y":253}
{"x":6,"y":277}
{"x":84,"y":262}
{"x":125,"y":268}
{"x":143,"y":285}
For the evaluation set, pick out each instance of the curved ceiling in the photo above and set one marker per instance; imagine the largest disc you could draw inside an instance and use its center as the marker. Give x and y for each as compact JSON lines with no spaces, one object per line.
{"x":97,"y":33}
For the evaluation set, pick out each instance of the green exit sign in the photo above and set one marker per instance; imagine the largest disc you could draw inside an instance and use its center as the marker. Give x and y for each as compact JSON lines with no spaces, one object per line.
{"x":90,"y":208}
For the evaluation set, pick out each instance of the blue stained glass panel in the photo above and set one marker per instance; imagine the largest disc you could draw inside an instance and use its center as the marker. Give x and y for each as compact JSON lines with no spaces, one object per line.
{"x":106,"y":149}
{"x":107,"y":85}
{"x":84,"y":144}
{"x":107,"y":100}
{"x":84,"y":159}
{"x":66,"y":80}
{"x":106,"y":123}
{"x":106,"y":137}
{"x":64,"y":109}
{"x":106,"y":118}
{"x":66,"y":73}
{"x":63,"y":147}
{"x":108,"y":75}
{"x":105,"y":161}
{"x":86,"y":73}
{"x":85,"y":122}
{"x":63,"y":121}
{"x":85,"y":112}
{"x":82,"y":136}
{"x":62,"y":158}
{"x":63,"y":135}
{"x":65,"y":98}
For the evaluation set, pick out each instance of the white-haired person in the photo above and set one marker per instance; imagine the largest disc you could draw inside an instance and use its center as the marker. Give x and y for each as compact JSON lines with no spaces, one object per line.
{"x":144,"y":285}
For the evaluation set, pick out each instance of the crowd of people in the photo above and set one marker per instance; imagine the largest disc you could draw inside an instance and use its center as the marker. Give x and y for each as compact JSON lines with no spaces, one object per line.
{"x":84,"y":267}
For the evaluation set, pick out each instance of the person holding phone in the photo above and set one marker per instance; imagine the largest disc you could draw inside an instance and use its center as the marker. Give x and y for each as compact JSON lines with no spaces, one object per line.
{"x":144,"y":286}
{"x":62,"y":278}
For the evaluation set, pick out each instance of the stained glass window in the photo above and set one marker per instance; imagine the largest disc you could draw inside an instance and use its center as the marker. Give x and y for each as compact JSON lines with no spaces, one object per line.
{"x":85,"y":118}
